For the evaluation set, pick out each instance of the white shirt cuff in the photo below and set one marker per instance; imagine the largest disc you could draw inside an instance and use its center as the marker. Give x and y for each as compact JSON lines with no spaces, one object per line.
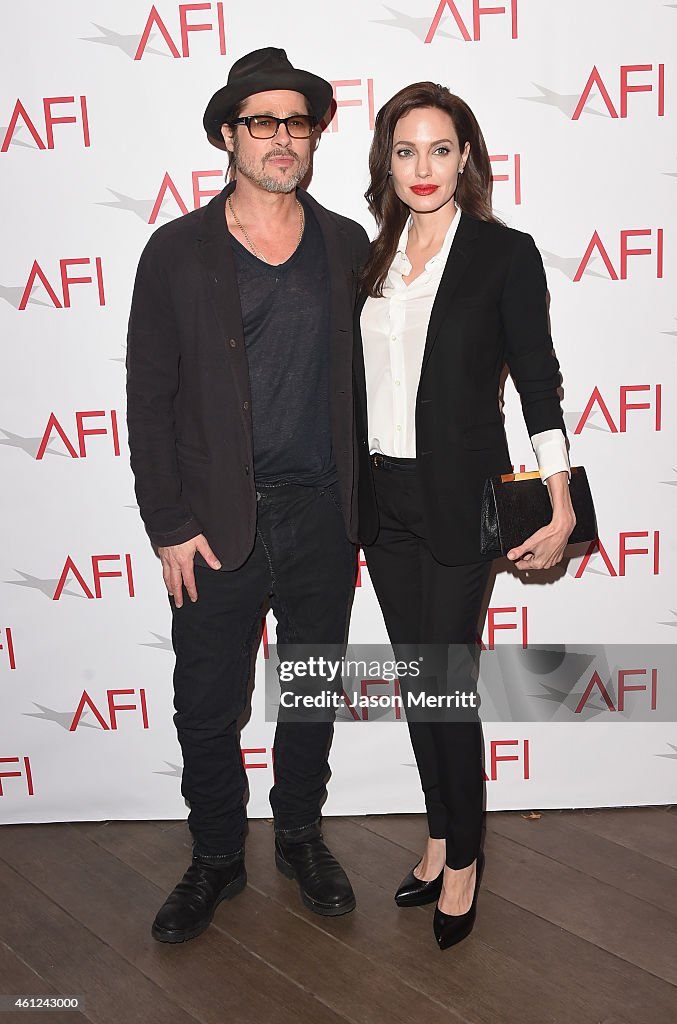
{"x":550,"y":448}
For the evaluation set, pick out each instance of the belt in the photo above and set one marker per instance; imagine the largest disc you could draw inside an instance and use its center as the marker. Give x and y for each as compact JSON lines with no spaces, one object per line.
{"x":379,"y":461}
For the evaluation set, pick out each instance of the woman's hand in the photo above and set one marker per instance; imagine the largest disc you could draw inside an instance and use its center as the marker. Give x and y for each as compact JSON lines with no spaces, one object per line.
{"x":545,"y":547}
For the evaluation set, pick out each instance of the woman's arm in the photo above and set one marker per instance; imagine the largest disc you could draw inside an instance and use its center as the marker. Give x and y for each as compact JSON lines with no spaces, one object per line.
{"x":535,"y":372}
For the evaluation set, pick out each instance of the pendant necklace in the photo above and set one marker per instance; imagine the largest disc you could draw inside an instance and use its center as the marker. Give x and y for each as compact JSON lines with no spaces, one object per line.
{"x":248,"y":239}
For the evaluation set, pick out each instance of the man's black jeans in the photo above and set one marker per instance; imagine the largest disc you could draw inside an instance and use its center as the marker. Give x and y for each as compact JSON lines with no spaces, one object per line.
{"x":304,"y":564}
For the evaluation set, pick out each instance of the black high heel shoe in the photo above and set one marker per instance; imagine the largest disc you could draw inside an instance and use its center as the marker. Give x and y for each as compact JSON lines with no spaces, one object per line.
{"x":452,"y":928}
{"x":415,"y":892}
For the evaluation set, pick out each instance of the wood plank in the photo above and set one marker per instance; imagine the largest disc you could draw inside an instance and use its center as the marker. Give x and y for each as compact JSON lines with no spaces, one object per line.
{"x":602,"y":981}
{"x":476,"y":979}
{"x":516,"y":966}
{"x":479,"y":983}
{"x":75,"y":962}
{"x":622,"y":924}
{"x":315,"y":951}
{"x":118,"y":904}
{"x":647,"y":830}
{"x":555,"y":836}
{"x":17,"y":978}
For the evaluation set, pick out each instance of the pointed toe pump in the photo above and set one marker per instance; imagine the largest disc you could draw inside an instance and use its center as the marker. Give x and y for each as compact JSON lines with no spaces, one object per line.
{"x":415,"y":892}
{"x":452,"y":928}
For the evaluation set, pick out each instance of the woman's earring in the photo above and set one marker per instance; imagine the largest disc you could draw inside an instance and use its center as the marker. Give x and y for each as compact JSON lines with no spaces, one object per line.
{"x":390,"y":174}
{"x":460,"y":170}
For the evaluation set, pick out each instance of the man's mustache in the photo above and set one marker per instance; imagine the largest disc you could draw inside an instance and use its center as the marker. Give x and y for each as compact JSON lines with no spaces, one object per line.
{"x":281,"y":152}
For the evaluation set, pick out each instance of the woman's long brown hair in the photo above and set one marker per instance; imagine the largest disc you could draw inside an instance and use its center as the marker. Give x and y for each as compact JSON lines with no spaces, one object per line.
{"x":473,"y":192}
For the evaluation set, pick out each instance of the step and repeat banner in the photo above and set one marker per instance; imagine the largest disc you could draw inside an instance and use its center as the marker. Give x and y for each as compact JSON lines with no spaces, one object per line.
{"x":101,"y":141}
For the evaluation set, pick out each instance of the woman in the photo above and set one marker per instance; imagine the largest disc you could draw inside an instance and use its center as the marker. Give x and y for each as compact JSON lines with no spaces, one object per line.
{"x":449,"y":296}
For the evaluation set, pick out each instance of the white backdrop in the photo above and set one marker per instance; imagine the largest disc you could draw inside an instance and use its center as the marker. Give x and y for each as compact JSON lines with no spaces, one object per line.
{"x":101,"y":139}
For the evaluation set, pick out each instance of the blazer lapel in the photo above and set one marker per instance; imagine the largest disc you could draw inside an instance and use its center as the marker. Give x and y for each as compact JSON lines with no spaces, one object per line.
{"x":216,"y":257}
{"x":462,"y":251}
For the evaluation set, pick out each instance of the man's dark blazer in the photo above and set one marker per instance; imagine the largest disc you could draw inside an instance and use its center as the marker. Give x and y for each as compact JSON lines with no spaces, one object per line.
{"x":188,"y":395}
{"x":490,"y":309}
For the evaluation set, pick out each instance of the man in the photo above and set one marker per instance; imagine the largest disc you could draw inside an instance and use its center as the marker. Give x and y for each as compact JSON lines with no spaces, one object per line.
{"x":242,"y":448}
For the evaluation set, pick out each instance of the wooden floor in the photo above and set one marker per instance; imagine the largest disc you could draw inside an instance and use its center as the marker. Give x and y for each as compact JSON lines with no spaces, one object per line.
{"x":577,"y":924}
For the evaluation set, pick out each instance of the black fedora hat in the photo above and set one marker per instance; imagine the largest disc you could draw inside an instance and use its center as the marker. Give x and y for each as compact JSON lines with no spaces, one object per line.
{"x":262,"y":71}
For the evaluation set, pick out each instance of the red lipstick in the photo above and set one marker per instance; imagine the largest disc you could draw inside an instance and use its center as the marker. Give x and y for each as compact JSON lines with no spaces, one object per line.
{"x":424,"y":190}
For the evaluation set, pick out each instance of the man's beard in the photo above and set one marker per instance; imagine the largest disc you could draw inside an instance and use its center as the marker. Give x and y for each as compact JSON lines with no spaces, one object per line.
{"x":254,"y":170}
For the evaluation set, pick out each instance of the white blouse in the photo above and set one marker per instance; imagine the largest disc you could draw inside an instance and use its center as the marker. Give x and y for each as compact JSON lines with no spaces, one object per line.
{"x":394,"y":330}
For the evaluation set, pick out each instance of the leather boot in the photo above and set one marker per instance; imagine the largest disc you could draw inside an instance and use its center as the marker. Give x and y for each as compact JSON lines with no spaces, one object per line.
{"x":190,"y":907}
{"x":324,"y":885}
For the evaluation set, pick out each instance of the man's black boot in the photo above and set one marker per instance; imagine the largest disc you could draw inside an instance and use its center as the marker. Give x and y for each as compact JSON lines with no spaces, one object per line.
{"x":189,"y":909}
{"x":303,"y":855}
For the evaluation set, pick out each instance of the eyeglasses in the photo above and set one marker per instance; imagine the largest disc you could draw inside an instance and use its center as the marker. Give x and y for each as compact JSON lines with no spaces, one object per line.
{"x":266,"y":126}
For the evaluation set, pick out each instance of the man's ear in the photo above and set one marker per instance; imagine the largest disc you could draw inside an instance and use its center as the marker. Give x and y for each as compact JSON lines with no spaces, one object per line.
{"x":227,"y":135}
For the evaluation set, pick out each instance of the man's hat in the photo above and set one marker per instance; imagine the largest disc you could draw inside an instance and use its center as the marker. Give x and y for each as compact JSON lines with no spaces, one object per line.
{"x":262,"y":71}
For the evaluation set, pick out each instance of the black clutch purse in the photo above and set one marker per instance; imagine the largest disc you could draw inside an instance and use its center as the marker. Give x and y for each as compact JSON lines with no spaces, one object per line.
{"x":515,"y":505}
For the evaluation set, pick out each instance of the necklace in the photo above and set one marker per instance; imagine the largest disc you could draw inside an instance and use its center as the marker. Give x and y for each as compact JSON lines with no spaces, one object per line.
{"x":248,"y":239}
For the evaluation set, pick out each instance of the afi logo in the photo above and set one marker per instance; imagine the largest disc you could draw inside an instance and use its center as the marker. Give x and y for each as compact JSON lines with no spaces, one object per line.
{"x":97,"y":575}
{"x":627,"y":85}
{"x":8,"y":646}
{"x":64,"y":300}
{"x":475,"y":11}
{"x":512,"y":172}
{"x":82,"y":433}
{"x":654,"y":403}
{"x":595,"y":683}
{"x":366,"y":99}
{"x":624,"y":552}
{"x":110,"y":724}
{"x":494,"y":624}
{"x":154,"y":21}
{"x":24,"y":772}
{"x":521,"y":756}
{"x":625,"y":252}
{"x":50,"y":118}
{"x":198,"y":193}
{"x":256,"y":752}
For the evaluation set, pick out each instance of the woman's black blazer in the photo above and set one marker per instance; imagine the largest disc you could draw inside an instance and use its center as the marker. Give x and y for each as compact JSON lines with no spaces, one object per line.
{"x":490,"y":310}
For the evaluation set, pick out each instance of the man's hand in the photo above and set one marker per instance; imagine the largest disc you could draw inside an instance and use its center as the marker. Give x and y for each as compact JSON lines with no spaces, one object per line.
{"x":177,"y":566}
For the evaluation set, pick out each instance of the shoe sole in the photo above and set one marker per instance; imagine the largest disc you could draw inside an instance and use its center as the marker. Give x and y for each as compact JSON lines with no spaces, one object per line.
{"x":231,"y":890}
{"x":323,"y":909}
